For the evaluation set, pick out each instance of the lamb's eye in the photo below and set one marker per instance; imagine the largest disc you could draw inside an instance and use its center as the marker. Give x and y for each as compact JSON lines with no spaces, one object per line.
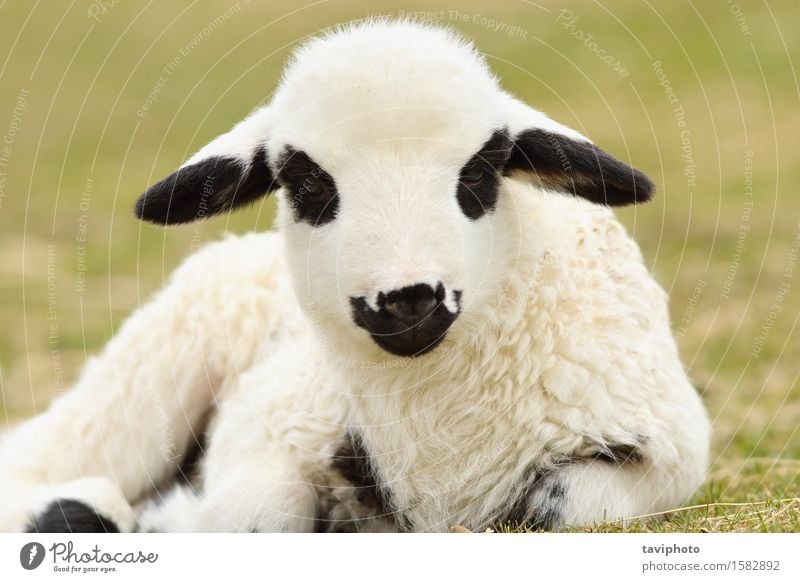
{"x":316,"y":189}
{"x":310,"y":189}
{"x":479,"y":178}
{"x":474,"y":175}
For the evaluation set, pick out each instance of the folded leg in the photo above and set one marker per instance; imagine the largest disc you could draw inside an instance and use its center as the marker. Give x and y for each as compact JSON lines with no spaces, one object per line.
{"x":270,"y":448}
{"x":125,"y":426}
{"x":595,"y":491}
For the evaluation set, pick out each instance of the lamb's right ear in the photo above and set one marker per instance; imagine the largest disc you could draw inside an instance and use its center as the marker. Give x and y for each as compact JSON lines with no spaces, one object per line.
{"x":562,"y":160}
{"x":229,"y":172}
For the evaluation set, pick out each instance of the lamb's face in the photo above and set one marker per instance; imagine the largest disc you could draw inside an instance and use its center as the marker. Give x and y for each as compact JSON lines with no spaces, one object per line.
{"x":390,"y":188}
{"x":390,"y":143}
{"x":397,"y":236}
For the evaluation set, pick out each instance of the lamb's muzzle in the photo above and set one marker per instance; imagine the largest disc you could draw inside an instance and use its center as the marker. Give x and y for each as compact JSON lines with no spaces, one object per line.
{"x":410,"y":321}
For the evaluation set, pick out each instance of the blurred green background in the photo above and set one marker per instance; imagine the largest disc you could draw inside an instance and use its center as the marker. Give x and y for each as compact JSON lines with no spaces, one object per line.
{"x":100,"y":99}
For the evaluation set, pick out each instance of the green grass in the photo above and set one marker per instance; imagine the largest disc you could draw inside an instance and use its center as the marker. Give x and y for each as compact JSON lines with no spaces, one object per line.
{"x":85,"y":80}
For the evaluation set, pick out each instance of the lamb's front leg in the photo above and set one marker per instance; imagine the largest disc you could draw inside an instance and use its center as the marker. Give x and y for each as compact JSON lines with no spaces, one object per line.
{"x":261,"y":491}
{"x":269,"y":446}
{"x":127,"y":424}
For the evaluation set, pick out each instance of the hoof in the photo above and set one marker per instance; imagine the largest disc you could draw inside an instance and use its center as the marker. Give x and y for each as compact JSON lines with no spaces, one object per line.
{"x":70,"y":516}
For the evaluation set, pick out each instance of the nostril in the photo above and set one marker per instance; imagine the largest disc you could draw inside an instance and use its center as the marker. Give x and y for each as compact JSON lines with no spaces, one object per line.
{"x":411,"y":304}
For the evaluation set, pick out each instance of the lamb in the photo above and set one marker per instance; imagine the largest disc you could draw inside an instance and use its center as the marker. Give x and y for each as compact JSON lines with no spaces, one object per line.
{"x":449,"y":327}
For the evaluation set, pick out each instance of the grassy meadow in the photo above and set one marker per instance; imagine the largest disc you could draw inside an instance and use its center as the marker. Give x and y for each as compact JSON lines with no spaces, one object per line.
{"x":100,"y":99}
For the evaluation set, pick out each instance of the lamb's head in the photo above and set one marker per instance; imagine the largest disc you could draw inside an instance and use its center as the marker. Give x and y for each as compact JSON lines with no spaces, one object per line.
{"x":390,"y":144}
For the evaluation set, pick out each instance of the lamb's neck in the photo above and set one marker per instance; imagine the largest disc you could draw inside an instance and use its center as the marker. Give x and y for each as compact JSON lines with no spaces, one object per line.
{"x":417,"y":393}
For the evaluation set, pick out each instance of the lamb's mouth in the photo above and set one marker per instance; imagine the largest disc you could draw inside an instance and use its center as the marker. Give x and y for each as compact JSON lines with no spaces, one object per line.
{"x":398,"y":338}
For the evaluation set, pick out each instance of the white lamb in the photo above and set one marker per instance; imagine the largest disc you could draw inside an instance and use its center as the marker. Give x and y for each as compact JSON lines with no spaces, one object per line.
{"x":450,"y":328}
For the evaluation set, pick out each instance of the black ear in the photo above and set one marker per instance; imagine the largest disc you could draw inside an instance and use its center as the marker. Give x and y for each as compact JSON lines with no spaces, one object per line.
{"x":580,"y":168}
{"x":213,"y":185}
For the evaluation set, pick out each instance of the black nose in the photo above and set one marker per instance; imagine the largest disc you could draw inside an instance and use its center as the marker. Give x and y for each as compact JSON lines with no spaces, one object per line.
{"x":412,"y":304}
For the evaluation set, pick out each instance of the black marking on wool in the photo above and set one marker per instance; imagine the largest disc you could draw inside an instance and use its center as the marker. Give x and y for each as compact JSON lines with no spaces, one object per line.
{"x":215,"y":185}
{"x":353,"y":462}
{"x":578,"y":167}
{"x":620,"y":454}
{"x":311,"y":190}
{"x":191,"y":464}
{"x":321,"y":521}
{"x":543,"y":484}
{"x":630,"y":451}
{"x":547,"y":513}
{"x":479,"y":179}
{"x":71,"y":516}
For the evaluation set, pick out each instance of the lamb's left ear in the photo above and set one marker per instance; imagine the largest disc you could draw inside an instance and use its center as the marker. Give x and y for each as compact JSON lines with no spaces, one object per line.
{"x":229,"y":172}
{"x":560,"y":159}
